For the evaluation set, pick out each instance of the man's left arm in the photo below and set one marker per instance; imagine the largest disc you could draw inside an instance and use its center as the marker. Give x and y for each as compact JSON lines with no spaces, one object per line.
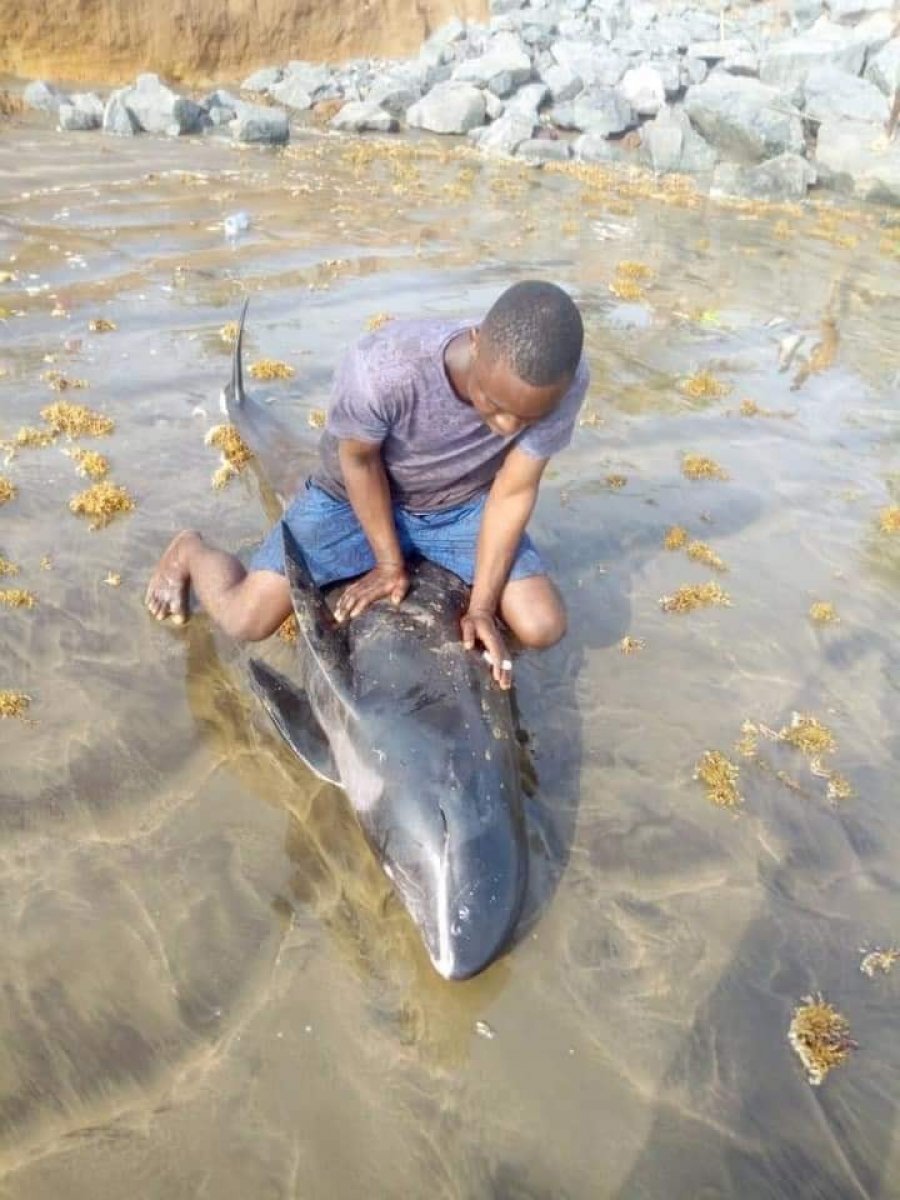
{"x":507,"y":511}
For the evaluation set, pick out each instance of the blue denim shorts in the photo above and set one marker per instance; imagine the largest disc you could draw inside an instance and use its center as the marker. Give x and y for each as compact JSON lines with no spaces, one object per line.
{"x":336,"y":547}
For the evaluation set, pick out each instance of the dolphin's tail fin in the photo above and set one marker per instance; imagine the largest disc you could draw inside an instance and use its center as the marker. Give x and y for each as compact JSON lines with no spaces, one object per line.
{"x":322,"y":633}
{"x":234,"y":395}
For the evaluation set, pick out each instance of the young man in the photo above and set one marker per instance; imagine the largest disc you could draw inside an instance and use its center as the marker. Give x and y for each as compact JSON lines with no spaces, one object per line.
{"x":437,"y":436}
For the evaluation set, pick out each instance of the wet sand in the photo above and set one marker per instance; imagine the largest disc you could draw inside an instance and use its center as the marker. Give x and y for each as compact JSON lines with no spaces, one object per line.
{"x":207,"y":988}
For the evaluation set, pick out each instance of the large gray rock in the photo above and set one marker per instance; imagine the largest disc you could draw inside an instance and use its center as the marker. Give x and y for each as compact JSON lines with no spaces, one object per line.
{"x":833,"y":95}
{"x":262,"y":80}
{"x":361,"y":116}
{"x":71,"y":118}
{"x":847,"y":12}
{"x":529,"y":99}
{"x":395,"y":93}
{"x":784,"y":178}
{"x":292,"y":94}
{"x":643,"y":88}
{"x":312,"y":79}
{"x":159,"y":109}
{"x":693,"y":71}
{"x":504,"y":67}
{"x":89,"y":102}
{"x":44,"y":96}
{"x":118,"y":117}
{"x":857,"y":153}
{"x":825,"y":44}
{"x":599,"y":110}
{"x":671,"y":145}
{"x":595,"y":148}
{"x":506,"y":134}
{"x":744,"y":119}
{"x":541,"y":150}
{"x":448,"y":108}
{"x":257,"y":124}
{"x":563,"y":82}
{"x":594,"y":65}
{"x":883,"y":69}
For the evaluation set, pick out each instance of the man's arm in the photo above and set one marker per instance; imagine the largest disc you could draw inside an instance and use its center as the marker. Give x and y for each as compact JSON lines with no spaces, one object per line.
{"x":370,"y":495}
{"x":507,"y":511}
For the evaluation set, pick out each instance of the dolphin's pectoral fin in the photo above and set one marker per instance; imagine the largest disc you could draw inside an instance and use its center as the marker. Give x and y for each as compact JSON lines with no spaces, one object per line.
{"x":294,"y":719}
{"x":326,"y":639}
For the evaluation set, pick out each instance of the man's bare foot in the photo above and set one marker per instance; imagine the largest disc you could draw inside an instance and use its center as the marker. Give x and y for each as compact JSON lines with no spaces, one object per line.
{"x":167,"y":592}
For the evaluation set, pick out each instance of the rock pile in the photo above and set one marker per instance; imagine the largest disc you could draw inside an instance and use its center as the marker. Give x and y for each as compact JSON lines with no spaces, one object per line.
{"x":757,"y":106}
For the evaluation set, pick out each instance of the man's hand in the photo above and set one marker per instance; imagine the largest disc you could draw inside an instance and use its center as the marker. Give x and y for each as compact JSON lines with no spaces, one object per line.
{"x":385,"y":580}
{"x":479,"y":625}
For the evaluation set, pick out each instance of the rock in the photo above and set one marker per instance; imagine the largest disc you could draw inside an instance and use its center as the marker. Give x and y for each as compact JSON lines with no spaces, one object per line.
{"x":693,"y":71}
{"x":160,"y":110}
{"x":44,"y":96}
{"x":593,"y":147}
{"x":255,"y":123}
{"x":448,"y":108}
{"x":788,"y":63}
{"x":718,"y":51}
{"x":860,"y":152}
{"x":505,"y":134}
{"x":643,"y":88}
{"x":89,"y":102}
{"x":670,"y":144}
{"x":848,"y":12}
{"x":316,"y":80}
{"x":395,"y":94}
{"x":595,"y":66}
{"x":599,"y":110}
{"x":669,"y":71}
{"x":493,"y":106}
{"x":563,"y":83}
{"x":541,"y":150}
{"x":291,"y":92}
{"x":744,"y":119}
{"x":784,"y":178}
{"x":72,"y":118}
{"x":118,"y":117}
{"x":221,"y":99}
{"x":360,"y":116}
{"x":833,"y":95}
{"x":529,"y":99}
{"x":262,"y":80}
{"x":504,"y":67}
{"x":745,"y":62}
{"x":453,"y":31}
{"x":884,"y":68}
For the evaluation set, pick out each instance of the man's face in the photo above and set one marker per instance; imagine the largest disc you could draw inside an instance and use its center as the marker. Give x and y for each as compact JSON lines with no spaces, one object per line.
{"x":506,"y":403}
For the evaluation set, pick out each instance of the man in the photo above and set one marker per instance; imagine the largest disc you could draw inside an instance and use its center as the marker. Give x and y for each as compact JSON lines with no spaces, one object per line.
{"x":437,"y":436}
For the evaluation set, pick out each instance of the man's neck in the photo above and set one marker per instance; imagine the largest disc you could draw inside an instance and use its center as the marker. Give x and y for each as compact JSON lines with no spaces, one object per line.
{"x":457,"y":364}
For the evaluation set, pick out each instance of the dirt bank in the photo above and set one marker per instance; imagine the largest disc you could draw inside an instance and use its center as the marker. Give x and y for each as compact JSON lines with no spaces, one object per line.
{"x":202,"y":40}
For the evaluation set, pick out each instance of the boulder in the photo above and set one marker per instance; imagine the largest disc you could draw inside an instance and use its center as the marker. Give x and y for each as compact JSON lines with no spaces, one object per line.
{"x":671,"y":145}
{"x":44,"y":96}
{"x":643,"y":88}
{"x":118,"y":117}
{"x":395,"y":93}
{"x":262,"y":80}
{"x":361,"y":116}
{"x":848,"y":12}
{"x":306,"y":78}
{"x":257,"y":124}
{"x":504,"y":67}
{"x":745,"y":62}
{"x":594,"y":147}
{"x":858,"y":154}
{"x":71,"y":117}
{"x":563,"y":83}
{"x":529,"y":99}
{"x":448,"y":108}
{"x":693,"y":71}
{"x":594,"y":65}
{"x":833,"y":95}
{"x":744,"y":119}
{"x":541,"y":150}
{"x":598,"y":110}
{"x":883,"y":69}
{"x":505,"y":134}
{"x":89,"y":102}
{"x":158,"y":109}
{"x":788,"y":63}
{"x":784,"y":178}
{"x":717,"y":51}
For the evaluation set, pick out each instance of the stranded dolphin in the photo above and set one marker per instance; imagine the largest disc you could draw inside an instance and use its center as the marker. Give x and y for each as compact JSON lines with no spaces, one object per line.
{"x":393,"y":709}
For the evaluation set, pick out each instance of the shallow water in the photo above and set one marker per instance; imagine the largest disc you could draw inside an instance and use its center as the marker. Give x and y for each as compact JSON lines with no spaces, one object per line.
{"x":206,"y":987}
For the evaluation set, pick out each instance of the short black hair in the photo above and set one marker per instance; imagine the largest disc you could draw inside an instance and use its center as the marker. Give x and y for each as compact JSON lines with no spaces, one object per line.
{"x":536,"y":328}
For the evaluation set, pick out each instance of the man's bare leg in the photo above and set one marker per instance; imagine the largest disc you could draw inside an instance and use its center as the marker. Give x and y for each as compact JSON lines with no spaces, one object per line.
{"x":534,"y":611}
{"x":247,"y":606}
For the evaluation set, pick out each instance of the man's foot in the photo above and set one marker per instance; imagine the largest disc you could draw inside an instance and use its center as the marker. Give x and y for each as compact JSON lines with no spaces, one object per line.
{"x":167,"y":592}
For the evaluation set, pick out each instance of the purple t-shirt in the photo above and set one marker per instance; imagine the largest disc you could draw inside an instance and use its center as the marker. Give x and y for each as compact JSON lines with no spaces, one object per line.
{"x":392,"y":388}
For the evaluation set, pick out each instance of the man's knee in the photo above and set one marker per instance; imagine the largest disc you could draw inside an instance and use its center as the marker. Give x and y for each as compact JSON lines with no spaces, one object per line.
{"x":256,"y":607}
{"x":541,"y":623}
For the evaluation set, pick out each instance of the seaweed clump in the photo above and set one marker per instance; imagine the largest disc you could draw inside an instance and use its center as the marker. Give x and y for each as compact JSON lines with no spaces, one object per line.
{"x":820,"y":1036}
{"x":7,"y":490}
{"x":17,"y":598}
{"x":14,"y":704}
{"x":228,"y":333}
{"x":823,"y":612}
{"x":616,"y":482}
{"x":7,"y":568}
{"x":89,"y":463}
{"x":700,"y":552}
{"x":102,"y":502}
{"x":879,"y":960}
{"x":697,"y":466}
{"x":235,"y":452}
{"x":703,"y":385}
{"x":316,"y":418}
{"x":720,"y":776}
{"x":61,"y":383}
{"x":377,"y":321}
{"x":631,"y":645}
{"x":676,"y":538}
{"x":270,"y":368}
{"x":808,"y":735}
{"x":287,"y":630}
{"x":101,"y":325}
{"x":76,"y":420}
{"x":29,"y":438}
{"x":889,"y":519}
{"x":695,"y":595}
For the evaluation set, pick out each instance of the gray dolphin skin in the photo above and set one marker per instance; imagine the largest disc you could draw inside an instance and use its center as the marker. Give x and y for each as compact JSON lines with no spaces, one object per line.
{"x":392,"y":708}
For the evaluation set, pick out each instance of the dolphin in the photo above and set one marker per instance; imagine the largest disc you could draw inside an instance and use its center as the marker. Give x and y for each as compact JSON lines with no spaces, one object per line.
{"x":395,"y":711}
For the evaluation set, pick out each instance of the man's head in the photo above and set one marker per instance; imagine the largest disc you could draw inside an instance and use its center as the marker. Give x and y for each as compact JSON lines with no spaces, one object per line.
{"x":525,"y":355}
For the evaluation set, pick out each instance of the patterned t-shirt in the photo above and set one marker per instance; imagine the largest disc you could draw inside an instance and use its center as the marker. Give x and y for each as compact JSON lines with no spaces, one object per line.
{"x":392,"y":389}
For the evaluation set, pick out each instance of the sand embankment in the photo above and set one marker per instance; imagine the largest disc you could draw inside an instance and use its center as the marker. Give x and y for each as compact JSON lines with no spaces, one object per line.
{"x":203,"y":40}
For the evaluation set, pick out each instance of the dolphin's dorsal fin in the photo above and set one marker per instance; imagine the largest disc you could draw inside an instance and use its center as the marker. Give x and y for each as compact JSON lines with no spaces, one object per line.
{"x":235,"y":396}
{"x":325,"y":638}
{"x":294,"y":719}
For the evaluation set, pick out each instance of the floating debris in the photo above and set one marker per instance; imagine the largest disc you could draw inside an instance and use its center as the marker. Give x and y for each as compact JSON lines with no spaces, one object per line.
{"x":630,"y":268}
{"x":879,"y":960}
{"x":377,"y":321}
{"x":626,"y":289}
{"x":46,"y":563}
{"x":76,"y":420}
{"x":616,"y":481}
{"x":7,"y":490}
{"x":808,"y":735}
{"x":89,"y":463}
{"x":222,"y":475}
{"x":838,"y":787}
{"x":719,"y":775}
{"x":113,"y":578}
{"x":631,"y":645}
{"x":101,"y":325}
{"x":228,"y":333}
{"x":14,"y":704}
{"x":704,"y":385}
{"x":749,"y":408}
{"x":287,"y":630}
{"x":102,"y":501}
{"x":889,"y":519}
{"x":484,"y":1030}
{"x":270,"y":368}
{"x":823,"y":612}
{"x":17,"y":598}
{"x":316,"y":418}
{"x":676,"y":538}
{"x":29,"y":438}
{"x":61,"y":383}
{"x":695,"y":595}
{"x":700,"y":552}
{"x":697,"y":466}
{"x":820,"y":1036}
{"x":748,"y":743}
{"x":590,"y":419}
{"x":235,"y":452}
{"x":7,"y":568}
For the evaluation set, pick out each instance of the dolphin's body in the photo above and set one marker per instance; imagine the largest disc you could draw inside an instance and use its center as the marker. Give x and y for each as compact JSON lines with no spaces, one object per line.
{"x":393,"y":709}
